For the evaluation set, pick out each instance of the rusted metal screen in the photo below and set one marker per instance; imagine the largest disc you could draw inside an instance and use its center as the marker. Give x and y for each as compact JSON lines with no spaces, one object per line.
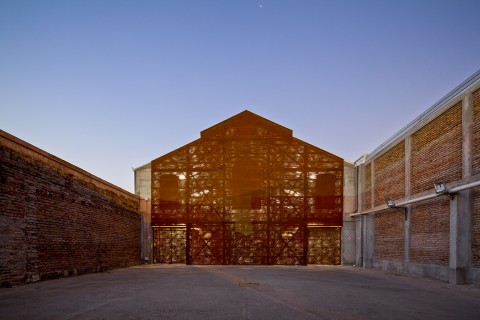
{"x":324,"y":245}
{"x":246,"y":192}
{"x":169,"y":245}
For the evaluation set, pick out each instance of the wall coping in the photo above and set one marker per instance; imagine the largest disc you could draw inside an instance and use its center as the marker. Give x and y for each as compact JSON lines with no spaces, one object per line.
{"x":469,"y":85}
{"x":61,"y":165}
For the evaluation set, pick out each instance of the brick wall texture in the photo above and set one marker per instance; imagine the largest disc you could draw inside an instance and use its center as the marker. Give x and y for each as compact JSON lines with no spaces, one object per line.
{"x":476,"y":228}
{"x":476,"y":132}
{"x":390,"y":174}
{"x":389,"y":235}
{"x":53,"y":224}
{"x":430,"y":231}
{"x":436,"y":154}
{"x":367,"y":203}
{"x":437,"y":151}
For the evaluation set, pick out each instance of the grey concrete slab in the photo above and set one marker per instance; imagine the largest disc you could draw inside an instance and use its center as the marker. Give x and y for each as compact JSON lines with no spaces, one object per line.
{"x":266,"y":292}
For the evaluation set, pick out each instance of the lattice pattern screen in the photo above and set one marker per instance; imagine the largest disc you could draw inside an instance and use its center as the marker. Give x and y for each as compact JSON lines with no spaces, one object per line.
{"x":246,"y":191}
{"x":324,"y":245}
{"x":169,"y":245}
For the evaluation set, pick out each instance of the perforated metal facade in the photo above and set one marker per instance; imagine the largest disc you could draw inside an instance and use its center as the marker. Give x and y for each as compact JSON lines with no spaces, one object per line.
{"x":247,"y":192}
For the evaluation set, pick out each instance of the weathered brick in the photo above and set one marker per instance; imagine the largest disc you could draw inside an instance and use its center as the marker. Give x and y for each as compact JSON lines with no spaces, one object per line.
{"x":437,"y":151}
{"x":53,"y":224}
{"x":389,"y":235}
{"x":430,"y":231}
{"x":367,"y":204}
{"x":476,"y":133}
{"x":390,"y":174}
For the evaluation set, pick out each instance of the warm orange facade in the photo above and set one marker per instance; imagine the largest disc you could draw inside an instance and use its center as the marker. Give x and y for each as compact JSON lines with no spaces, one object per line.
{"x":247,"y":192}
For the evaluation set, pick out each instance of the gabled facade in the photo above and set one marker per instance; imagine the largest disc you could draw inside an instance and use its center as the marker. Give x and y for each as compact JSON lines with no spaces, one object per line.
{"x":247,"y":192}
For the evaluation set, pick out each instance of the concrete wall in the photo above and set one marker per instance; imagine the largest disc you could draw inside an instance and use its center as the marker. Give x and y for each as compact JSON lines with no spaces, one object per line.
{"x":438,"y":237}
{"x":349,"y":227}
{"x":58,"y":220}
{"x":143,"y":189}
{"x":143,"y":181}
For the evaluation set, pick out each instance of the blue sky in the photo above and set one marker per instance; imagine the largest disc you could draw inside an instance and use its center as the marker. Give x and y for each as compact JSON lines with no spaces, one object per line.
{"x":111,"y":85}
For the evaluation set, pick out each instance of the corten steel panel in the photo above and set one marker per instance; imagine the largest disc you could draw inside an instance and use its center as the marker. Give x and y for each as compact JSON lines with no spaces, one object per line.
{"x":324,"y":245}
{"x":288,"y":244}
{"x":169,"y":245}
{"x":206,"y":244}
{"x":246,"y":243}
{"x":247,"y":189}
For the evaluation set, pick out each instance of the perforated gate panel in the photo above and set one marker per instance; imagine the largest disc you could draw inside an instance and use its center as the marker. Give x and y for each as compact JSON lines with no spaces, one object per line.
{"x":169,"y":245}
{"x":324,"y":245}
{"x":246,"y":192}
{"x":258,"y":243}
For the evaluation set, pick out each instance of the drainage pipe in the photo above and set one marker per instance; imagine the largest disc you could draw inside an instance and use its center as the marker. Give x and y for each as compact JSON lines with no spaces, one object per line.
{"x":430,"y":196}
{"x":464,"y":187}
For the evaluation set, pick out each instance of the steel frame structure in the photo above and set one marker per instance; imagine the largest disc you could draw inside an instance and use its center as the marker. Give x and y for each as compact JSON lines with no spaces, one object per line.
{"x":247,"y":192}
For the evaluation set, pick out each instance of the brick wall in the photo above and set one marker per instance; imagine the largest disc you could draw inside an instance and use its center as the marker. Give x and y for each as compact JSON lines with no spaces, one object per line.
{"x":433,"y":147}
{"x":476,"y":132}
{"x":390,"y":174}
{"x":437,"y":151}
{"x":389,"y":235}
{"x":430,"y":231}
{"x":54,"y":223}
{"x":367,"y":204}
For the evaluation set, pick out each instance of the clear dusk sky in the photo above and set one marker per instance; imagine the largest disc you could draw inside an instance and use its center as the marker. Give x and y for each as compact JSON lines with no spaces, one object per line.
{"x":111,"y":85}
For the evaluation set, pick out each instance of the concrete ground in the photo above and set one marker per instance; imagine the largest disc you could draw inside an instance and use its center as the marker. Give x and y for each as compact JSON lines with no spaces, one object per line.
{"x":241,"y":292}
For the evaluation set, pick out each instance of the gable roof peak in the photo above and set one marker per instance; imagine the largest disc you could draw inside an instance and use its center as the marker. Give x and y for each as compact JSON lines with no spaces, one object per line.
{"x":242,"y":120}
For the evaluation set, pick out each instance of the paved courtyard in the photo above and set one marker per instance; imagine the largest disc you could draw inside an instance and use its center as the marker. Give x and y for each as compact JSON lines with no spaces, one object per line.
{"x":240,"y":292}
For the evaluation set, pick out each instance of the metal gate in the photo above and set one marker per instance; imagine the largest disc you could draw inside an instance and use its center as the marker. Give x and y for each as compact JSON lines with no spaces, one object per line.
{"x":252,"y":244}
{"x":169,"y":245}
{"x":263,"y":245}
{"x":324,"y":245}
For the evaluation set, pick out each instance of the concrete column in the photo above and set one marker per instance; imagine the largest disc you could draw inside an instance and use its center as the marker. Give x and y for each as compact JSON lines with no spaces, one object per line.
{"x":147,"y":232}
{"x":361,"y":187}
{"x":359,"y":242}
{"x":407,"y":226}
{"x":460,"y":235}
{"x":461,"y":204}
{"x":348,"y":229}
{"x":348,"y":243}
{"x":467,"y":135}
{"x":368,"y":240}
